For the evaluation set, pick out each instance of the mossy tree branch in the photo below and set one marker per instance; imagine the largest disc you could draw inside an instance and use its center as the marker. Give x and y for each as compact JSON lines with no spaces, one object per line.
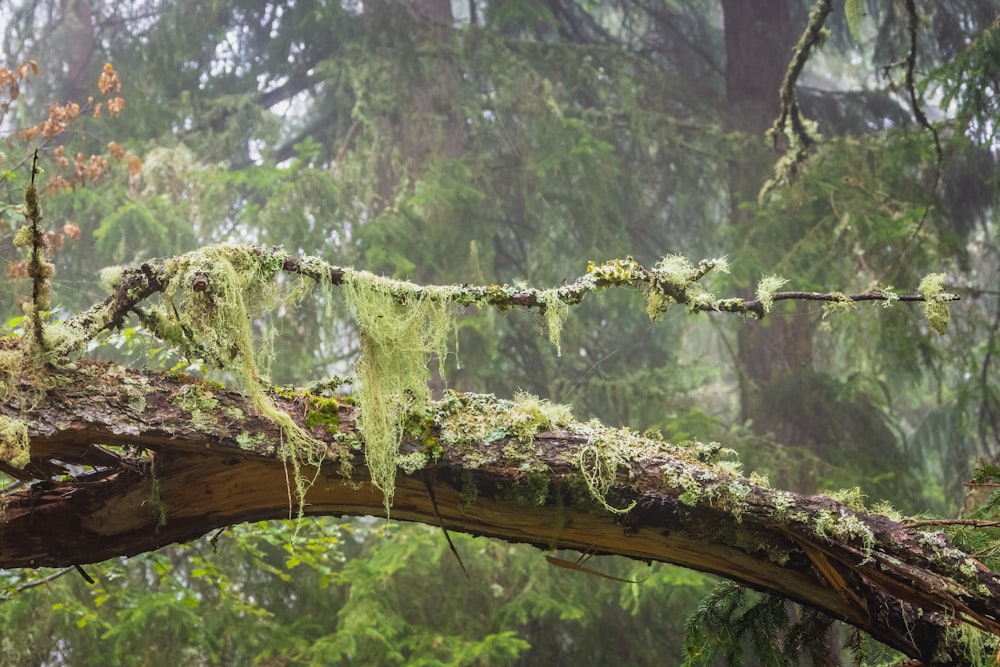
{"x":168,"y":459}
{"x":136,"y":284}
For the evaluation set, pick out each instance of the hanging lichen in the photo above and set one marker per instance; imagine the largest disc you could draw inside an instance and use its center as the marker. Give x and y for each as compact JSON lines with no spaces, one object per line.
{"x":556,"y":312}
{"x":14,"y":445}
{"x":401,"y":326}
{"x":212,"y":298}
{"x":598,"y":460}
{"x":935,"y":301}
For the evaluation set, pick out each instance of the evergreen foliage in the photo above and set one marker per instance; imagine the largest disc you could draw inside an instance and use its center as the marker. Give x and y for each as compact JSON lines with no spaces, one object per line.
{"x":514,"y":145}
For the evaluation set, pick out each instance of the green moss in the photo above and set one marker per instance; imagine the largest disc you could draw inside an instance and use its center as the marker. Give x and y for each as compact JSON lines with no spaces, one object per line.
{"x":251,"y":441}
{"x":15,"y":448}
{"x":531,"y":489}
{"x":422,"y":429}
{"x":321,"y":411}
{"x":852,"y":497}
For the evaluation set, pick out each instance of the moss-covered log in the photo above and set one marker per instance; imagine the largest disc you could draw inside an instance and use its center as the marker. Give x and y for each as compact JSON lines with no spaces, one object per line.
{"x":122,"y":462}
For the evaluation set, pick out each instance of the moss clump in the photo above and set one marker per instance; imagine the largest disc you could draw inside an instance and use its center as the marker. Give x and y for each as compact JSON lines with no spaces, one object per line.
{"x":401,"y":325}
{"x":531,"y":489}
{"x":322,"y":411}
{"x":15,"y":449}
{"x":422,"y":429}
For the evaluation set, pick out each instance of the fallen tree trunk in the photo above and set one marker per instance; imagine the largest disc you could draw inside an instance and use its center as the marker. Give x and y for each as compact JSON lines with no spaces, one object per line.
{"x":123,"y":462}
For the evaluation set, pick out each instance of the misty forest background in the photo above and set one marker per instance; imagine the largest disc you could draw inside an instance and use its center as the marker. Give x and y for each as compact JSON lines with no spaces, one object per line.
{"x":494,"y":141}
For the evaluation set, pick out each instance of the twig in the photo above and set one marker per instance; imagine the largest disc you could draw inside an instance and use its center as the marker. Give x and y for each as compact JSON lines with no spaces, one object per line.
{"x":36,"y":582}
{"x":139,"y":283}
{"x":434,"y":504}
{"x":972,"y":523}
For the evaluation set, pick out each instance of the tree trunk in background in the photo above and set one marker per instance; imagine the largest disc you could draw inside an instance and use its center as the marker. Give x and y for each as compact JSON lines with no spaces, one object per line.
{"x":73,"y":39}
{"x":426,"y":128}
{"x":759,"y":40}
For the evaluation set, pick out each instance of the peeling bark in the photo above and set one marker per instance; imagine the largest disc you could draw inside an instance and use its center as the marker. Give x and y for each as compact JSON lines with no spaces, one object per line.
{"x":119,"y":467}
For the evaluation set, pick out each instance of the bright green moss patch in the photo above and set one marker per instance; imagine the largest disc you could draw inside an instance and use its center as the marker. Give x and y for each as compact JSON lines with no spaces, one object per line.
{"x":321,"y":411}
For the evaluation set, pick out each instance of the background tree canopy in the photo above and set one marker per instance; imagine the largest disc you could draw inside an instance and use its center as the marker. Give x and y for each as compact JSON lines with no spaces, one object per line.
{"x":514,"y":140}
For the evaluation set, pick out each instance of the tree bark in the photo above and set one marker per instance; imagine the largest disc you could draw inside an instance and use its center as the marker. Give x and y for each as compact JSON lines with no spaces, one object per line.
{"x":759,"y":40}
{"x":120,"y":465}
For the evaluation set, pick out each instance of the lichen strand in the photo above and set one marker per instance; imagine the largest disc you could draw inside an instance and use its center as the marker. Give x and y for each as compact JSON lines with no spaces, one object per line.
{"x":766,"y":289}
{"x":213,"y":296}
{"x":606,"y":451}
{"x":15,"y":448}
{"x":935,"y":301}
{"x":401,"y":325}
{"x":556,"y":312}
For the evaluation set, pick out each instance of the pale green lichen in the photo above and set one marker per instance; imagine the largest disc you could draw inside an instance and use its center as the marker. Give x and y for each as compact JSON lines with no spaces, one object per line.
{"x":605,"y":452}
{"x":410,"y":463}
{"x":935,"y":301}
{"x":213,"y":296}
{"x":889,"y":295}
{"x":556,"y":311}
{"x":840,"y":304}
{"x":845,"y":527}
{"x":681,"y":478}
{"x":783,"y":501}
{"x":766,"y":289}
{"x":615,"y":271}
{"x":975,"y":647}
{"x":474,"y":419}
{"x":674,"y":269}
{"x":15,"y":448}
{"x":401,"y":325}
{"x":111,"y":277}
{"x":675,"y":278}
{"x":250,"y":441}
